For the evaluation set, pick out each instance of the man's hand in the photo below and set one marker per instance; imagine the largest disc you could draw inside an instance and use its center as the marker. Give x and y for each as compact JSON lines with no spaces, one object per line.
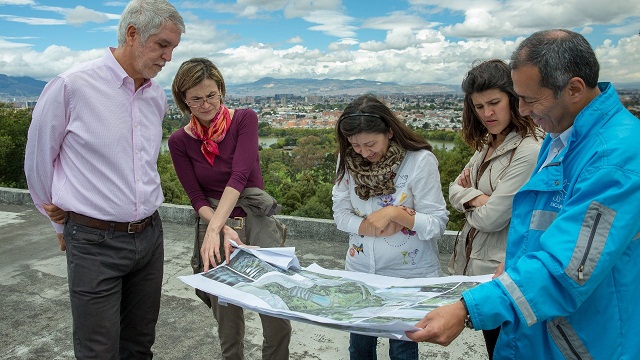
{"x":63,"y":245}
{"x":441,"y":326}
{"x":55,"y":214}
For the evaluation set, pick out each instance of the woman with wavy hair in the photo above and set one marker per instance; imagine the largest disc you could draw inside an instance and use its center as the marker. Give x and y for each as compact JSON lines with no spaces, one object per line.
{"x":506,"y":149}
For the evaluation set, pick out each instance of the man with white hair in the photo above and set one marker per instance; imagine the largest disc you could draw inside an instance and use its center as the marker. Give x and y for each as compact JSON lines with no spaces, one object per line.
{"x":90,"y":164}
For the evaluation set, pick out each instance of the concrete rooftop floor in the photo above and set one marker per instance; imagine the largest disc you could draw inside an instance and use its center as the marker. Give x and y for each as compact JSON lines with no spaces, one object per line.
{"x":36,"y":319}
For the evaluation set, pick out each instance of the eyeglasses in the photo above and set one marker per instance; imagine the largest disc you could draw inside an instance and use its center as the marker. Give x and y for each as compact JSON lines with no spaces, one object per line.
{"x":211,"y":99}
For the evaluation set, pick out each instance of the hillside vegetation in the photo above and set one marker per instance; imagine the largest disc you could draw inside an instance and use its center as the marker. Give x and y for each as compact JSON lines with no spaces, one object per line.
{"x":298,"y":169}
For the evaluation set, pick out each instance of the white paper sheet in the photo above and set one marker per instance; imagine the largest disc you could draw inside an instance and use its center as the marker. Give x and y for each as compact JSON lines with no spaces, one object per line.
{"x":356,"y":302}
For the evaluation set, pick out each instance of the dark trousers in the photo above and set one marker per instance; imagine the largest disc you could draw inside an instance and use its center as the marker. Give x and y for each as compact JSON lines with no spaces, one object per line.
{"x":115,"y":279}
{"x":363,"y":347}
{"x":490,"y":339}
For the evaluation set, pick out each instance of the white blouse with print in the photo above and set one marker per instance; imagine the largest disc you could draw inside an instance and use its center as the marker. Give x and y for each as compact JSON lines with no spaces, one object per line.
{"x":409,"y":253}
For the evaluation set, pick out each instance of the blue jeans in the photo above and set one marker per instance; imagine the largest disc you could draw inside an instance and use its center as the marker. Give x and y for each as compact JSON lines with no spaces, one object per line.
{"x":363,"y":347}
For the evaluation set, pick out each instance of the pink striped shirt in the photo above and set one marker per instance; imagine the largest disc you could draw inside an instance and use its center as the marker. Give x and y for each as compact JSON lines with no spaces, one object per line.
{"x":93,"y":143}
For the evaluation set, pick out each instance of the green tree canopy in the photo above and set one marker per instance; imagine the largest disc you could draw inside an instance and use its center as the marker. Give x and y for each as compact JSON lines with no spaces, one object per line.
{"x":14,"y":125}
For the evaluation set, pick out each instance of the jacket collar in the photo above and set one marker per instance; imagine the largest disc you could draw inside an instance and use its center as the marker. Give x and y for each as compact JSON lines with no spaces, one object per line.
{"x":511,"y":142}
{"x":596,"y":113}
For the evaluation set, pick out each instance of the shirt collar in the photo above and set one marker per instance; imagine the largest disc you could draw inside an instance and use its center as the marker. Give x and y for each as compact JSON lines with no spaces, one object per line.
{"x":563,"y":136}
{"x":117,"y":72}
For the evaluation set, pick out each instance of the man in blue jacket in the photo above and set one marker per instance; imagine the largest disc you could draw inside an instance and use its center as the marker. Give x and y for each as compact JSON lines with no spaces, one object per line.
{"x":570,"y":285}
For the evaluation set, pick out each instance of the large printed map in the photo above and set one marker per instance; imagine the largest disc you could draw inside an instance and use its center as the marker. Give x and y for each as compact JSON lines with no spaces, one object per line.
{"x":355,"y":302}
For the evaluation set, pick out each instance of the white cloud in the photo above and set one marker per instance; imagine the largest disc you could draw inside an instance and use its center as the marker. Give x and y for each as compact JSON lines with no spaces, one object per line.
{"x":43,"y":65}
{"x":32,"y":20}
{"x":432,"y":59}
{"x":343,"y":44}
{"x":201,"y":39}
{"x":602,"y":11}
{"x":304,"y":8}
{"x":76,"y":16}
{"x":264,"y":5}
{"x":491,"y":18}
{"x":55,"y":9}
{"x":628,"y":29}
{"x":332,"y":23}
{"x":80,"y":15}
{"x":4,"y":44}
{"x":249,"y":12}
{"x":482,"y":23}
{"x":396,"y":19}
{"x":16,"y":2}
{"x":417,"y":48}
{"x":586,"y":30}
{"x":398,"y":38}
{"x":251,"y":9}
{"x":108,"y":29}
{"x":620,"y":63}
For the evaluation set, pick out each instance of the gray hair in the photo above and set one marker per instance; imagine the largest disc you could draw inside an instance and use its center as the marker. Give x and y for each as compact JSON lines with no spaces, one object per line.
{"x":559,"y":55}
{"x":148,"y":17}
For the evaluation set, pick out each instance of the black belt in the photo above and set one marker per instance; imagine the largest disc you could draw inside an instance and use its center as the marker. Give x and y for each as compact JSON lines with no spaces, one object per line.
{"x":129,"y":227}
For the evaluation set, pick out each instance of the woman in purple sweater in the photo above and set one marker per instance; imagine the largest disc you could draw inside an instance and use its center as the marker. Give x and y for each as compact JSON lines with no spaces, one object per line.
{"x":216,"y":158}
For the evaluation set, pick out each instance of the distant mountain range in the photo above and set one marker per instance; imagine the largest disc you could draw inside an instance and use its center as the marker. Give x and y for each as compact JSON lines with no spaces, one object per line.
{"x":26,"y":86}
{"x":20,"y":86}
{"x":301,"y":87}
{"x":30,"y":87}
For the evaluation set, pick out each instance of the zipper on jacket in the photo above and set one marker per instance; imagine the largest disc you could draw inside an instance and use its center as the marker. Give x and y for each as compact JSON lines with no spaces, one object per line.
{"x":566,"y":339}
{"x":588,"y":248}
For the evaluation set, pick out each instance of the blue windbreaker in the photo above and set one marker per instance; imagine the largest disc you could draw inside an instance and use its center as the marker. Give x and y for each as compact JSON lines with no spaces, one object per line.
{"x":571,"y":288}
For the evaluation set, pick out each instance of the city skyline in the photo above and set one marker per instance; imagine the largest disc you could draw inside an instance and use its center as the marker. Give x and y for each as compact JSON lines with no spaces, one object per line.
{"x":406,"y":42}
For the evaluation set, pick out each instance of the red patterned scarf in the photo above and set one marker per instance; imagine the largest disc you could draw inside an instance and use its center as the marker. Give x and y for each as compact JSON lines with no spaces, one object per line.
{"x":211,"y":136}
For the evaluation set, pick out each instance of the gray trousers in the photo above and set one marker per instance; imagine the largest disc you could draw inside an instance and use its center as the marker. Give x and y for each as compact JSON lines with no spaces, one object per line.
{"x":276,"y":332}
{"x":115,"y":280}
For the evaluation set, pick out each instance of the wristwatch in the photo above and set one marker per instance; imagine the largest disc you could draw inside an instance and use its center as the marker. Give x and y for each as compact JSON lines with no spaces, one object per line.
{"x":467,"y":320}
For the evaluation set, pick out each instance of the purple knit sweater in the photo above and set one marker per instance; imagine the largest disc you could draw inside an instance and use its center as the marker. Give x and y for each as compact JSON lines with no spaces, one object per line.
{"x":237,"y":166}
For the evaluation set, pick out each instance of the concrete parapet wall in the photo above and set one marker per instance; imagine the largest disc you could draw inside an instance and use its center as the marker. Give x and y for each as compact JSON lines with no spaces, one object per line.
{"x":15,"y":196}
{"x":180,"y":214}
{"x":298,"y":227}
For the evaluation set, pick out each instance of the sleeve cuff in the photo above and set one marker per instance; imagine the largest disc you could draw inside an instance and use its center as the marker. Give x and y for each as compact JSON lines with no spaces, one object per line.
{"x":59,"y":228}
{"x":354,"y":224}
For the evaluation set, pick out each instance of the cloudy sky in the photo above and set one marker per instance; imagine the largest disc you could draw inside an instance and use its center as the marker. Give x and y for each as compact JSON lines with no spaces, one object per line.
{"x":403,"y":41}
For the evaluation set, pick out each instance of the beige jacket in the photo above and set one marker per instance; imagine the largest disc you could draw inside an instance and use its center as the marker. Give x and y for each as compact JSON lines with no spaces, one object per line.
{"x":509,"y":167}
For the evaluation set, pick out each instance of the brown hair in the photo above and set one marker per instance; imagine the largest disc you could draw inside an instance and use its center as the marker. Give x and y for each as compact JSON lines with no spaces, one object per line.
{"x":191,"y":73}
{"x":487,"y":75}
